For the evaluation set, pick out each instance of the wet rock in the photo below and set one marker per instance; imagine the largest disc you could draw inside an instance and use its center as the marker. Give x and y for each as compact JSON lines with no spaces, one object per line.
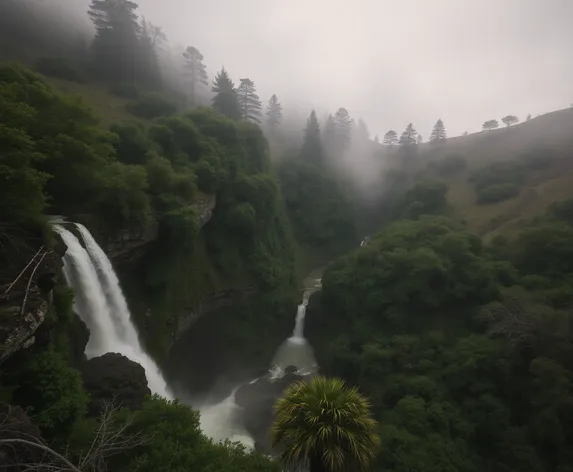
{"x":114,"y":377}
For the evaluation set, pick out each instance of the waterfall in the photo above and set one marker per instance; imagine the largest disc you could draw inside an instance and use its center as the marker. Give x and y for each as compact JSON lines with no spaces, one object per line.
{"x":296,"y":351}
{"x":101,"y":305}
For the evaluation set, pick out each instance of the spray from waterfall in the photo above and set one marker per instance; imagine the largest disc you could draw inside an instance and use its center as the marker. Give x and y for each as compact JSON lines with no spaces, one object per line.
{"x":101,"y":305}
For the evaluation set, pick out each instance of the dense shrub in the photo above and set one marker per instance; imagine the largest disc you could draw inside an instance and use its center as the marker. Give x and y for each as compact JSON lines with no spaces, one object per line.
{"x":497,"y":193}
{"x":60,"y":68}
{"x":151,"y":105}
{"x":426,"y":197}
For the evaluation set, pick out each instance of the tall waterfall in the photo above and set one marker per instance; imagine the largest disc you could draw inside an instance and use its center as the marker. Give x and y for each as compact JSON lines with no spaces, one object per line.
{"x":101,"y":305}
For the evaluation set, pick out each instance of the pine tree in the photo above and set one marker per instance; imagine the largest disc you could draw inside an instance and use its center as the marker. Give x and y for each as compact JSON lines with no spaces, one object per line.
{"x":116,"y":39}
{"x":439,"y":132}
{"x":194,"y":69}
{"x":510,"y":120}
{"x":490,"y":124}
{"x":419,"y":139}
{"x":343,"y":130}
{"x":528,"y":117}
{"x":225,"y":101}
{"x":311,"y":150}
{"x":408,"y":137}
{"x":249,"y":102}
{"x":391,"y":138}
{"x":274,"y":113}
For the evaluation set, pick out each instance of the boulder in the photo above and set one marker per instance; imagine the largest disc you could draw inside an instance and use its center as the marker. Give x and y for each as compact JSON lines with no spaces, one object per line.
{"x":114,"y":377}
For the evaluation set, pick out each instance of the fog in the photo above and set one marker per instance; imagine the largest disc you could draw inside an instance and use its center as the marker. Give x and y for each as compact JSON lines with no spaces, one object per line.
{"x":388,"y":62}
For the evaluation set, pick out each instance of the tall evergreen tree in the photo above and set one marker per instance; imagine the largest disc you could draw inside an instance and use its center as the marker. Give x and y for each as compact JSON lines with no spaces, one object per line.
{"x":249,"y":102}
{"x":343,"y":126}
{"x":419,"y":139}
{"x":311,"y":150}
{"x":225,"y":99}
{"x":117,"y":39}
{"x":274,"y":113}
{"x":391,"y":138}
{"x":329,"y":135}
{"x":439,"y":132}
{"x":408,"y":137}
{"x":194,"y":69}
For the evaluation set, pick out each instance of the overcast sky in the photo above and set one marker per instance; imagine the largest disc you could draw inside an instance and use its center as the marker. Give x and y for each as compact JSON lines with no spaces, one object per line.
{"x":389,"y":62}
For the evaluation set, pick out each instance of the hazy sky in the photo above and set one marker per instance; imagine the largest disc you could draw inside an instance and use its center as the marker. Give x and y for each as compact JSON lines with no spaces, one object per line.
{"x":389,"y":62}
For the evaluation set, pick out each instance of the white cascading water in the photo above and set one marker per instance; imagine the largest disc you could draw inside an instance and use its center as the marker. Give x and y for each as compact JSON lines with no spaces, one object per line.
{"x":219,"y":420}
{"x":101,"y":305}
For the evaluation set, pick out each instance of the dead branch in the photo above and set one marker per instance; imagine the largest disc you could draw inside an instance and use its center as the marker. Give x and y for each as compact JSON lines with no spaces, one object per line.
{"x":30,"y":281}
{"x":111,"y":438}
{"x":22,"y":272}
{"x":68,"y":465}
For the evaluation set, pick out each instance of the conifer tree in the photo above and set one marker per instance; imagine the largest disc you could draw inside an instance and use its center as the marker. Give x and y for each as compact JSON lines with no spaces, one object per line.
{"x":195,"y":70}
{"x":343,"y":130}
{"x":528,"y":117}
{"x":225,"y":101}
{"x":439,"y":132}
{"x":116,"y":39}
{"x":274,"y":113}
{"x":408,"y":137}
{"x":249,"y":102}
{"x":419,"y":139}
{"x":390,"y":138}
{"x":311,"y":150}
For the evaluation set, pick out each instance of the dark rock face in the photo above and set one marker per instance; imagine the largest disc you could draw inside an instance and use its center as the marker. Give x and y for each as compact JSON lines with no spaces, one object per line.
{"x":257,"y":402}
{"x":15,"y":424}
{"x":114,"y":377}
{"x":212,"y":302}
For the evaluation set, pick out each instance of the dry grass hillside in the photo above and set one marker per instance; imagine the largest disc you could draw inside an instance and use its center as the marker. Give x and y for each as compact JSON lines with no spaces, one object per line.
{"x":541,"y":151}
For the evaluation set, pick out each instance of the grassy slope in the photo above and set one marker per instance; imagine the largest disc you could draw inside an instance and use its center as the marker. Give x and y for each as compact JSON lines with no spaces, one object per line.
{"x":552,"y":131}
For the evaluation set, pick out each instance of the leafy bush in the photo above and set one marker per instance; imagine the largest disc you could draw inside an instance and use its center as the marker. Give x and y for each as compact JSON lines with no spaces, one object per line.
{"x":60,"y":68}
{"x":131,"y":146}
{"x":151,"y":105}
{"x":426,"y":197}
{"x":54,"y":391}
{"x":497,"y":193}
{"x":208,"y":178}
{"x":498,"y":173}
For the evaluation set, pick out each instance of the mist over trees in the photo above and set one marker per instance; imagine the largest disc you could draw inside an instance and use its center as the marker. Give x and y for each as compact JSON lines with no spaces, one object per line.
{"x":408,"y":137}
{"x":195,"y":72}
{"x":249,"y":102}
{"x":391,"y":138}
{"x":438,"y":132}
{"x":226,"y":101}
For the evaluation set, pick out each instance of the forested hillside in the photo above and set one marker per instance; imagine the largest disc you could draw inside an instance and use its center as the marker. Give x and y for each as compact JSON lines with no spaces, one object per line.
{"x":453,"y":317}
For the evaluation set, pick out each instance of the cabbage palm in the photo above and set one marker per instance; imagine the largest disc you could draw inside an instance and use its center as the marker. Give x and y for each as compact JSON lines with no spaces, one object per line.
{"x":326,"y":425}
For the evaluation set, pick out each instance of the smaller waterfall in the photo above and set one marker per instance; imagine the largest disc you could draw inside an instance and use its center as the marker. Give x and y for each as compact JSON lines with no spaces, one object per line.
{"x":101,"y":305}
{"x":296,"y":351}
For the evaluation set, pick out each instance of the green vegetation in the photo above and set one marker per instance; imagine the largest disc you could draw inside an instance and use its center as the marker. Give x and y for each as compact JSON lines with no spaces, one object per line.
{"x":327,"y":424}
{"x":464,"y":348}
